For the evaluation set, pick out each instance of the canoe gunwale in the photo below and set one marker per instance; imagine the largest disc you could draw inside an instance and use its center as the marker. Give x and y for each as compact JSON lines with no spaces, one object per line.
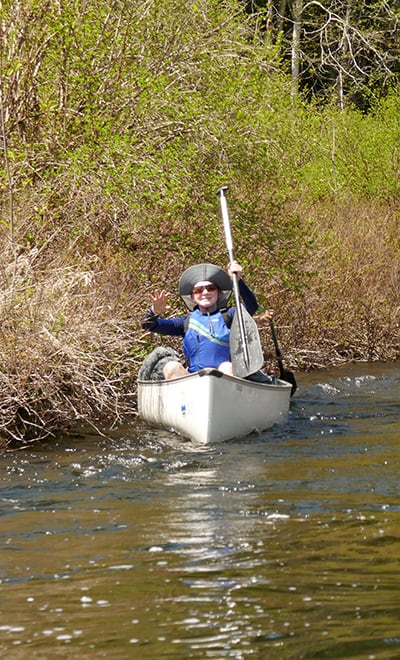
{"x":216,"y":374}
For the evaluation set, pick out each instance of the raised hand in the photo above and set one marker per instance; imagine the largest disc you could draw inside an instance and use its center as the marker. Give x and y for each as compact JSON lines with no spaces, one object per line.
{"x":159,"y":301}
{"x":235,"y":267}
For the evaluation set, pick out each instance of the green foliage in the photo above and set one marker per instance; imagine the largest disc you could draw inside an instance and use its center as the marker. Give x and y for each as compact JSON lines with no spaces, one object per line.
{"x":141,"y":111}
{"x":351,"y":153}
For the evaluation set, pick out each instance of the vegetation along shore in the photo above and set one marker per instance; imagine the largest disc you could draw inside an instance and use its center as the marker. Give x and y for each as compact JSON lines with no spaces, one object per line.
{"x":119,"y":122}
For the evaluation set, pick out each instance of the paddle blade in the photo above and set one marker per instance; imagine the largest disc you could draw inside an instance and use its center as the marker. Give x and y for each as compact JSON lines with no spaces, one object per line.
{"x":245,"y":362}
{"x":288,"y":376}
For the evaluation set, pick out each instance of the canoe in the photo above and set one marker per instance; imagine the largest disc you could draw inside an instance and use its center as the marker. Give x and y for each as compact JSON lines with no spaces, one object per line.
{"x":209,"y":407}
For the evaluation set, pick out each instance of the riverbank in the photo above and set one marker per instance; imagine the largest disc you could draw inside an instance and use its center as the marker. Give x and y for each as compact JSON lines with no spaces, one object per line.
{"x":71,"y":340}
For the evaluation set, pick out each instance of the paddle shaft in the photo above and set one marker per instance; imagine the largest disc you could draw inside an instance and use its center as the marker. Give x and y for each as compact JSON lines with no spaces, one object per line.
{"x":278,"y":352}
{"x":284,"y":374}
{"x":235,"y":279}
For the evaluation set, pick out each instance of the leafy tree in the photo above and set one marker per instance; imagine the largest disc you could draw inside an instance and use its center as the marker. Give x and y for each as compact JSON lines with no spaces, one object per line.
{"x":347,"y":49}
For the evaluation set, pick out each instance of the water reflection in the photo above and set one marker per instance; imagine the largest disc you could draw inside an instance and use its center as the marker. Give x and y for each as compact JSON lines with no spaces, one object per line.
{"x":283,"y":545}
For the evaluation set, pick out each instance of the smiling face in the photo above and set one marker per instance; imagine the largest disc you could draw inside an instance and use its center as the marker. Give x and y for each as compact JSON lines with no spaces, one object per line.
{"x":205,"y":294}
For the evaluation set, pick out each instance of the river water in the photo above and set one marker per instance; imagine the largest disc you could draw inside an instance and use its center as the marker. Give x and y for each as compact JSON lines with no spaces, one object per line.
{"x":283,"y":545}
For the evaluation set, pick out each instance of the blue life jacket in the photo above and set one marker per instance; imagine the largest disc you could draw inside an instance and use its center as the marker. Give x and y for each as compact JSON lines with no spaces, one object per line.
{"x":206,"y":340}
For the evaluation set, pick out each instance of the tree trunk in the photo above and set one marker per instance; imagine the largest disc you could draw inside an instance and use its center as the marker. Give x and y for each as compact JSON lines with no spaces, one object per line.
{"x":297,"y":15}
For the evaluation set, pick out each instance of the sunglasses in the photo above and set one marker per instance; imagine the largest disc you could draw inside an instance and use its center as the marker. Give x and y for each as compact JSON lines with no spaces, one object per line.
{"x":206,"y":287}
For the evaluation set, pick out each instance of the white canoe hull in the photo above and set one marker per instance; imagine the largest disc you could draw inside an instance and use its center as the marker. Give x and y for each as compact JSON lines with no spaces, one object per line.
{"x":209,"y":407}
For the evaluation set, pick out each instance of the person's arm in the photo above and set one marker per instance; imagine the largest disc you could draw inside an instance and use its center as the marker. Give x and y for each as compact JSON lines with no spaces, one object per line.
{"x":155,"y":323}
{"x":153,"y":320}
{"x":248,"y":297}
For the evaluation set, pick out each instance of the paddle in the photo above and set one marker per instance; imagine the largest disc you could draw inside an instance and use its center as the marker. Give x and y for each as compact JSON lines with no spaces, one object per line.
{"x":244,"y":341}
{"x":288,"y":376}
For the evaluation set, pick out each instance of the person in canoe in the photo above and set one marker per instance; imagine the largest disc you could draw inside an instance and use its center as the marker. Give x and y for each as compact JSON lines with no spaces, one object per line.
{"x":205,"y":289}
